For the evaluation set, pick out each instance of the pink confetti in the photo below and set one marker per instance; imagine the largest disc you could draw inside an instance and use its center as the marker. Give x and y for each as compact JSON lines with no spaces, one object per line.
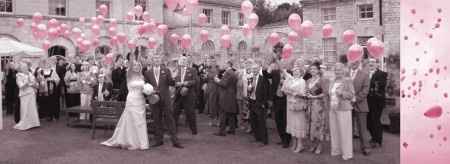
{"x":405,"y":145}
{"x":434,"y":112}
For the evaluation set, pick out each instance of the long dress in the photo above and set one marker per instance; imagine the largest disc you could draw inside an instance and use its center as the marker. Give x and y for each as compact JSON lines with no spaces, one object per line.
{"x":316,"y":114}
{"x":131,"y":130}
{"x":295,"y":117}
{"x":28,"y":108}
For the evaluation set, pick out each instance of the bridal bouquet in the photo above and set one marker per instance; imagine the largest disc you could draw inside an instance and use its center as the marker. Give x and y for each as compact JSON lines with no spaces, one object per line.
{"x":147,"y":89}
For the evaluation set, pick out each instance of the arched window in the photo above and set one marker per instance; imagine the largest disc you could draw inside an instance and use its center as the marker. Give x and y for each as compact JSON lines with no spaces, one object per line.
{"x":208,"y":47}
{"x":102,"y":50}
{"x":57,"y":50}
{"x":142,"y":3}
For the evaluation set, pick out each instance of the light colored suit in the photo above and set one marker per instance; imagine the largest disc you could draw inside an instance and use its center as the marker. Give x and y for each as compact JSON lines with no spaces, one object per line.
{"x":341,"y":118}
{"x":361,"y":84}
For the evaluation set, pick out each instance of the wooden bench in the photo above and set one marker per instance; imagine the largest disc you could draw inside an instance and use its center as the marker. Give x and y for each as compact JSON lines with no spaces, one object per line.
{"x":78,"y":110}
{"x":106,"y":114}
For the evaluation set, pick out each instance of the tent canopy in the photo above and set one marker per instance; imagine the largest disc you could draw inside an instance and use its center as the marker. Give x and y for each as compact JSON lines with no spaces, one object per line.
{"x":9,"y":47}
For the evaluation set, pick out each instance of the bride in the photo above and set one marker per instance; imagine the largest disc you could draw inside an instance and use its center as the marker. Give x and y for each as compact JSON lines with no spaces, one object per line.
{"x":131,"y":130}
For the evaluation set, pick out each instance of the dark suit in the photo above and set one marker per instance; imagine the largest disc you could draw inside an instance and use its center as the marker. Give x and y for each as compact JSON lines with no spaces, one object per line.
{"x":106,"y":87}
{"x":187,"y":102}
{"x":258,"y":108}
{"x":376,"y":102}
{"x":118,"y":76}
{"x":279,"y":107}
{"x":12,"y":95}
{"x":227,"y":101}
{"x":212,"y":93}
{"x":361,"y":84}
{"x":162,"y":110}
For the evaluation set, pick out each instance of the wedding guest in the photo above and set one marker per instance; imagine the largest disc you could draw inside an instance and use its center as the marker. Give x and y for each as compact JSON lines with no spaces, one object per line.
{"x":61,"y":69}
{"x":279,"y":104}
{"x":341,"y":94}
{"x":28,"y":107}
{"x":316,"y":114}
{"x":87,"y":79}
{"x":186,"y":82}
{"x":227,"y":100}
{"x":241,"y":95}
{"x":12,"y":92}
{"x":211,"y":92}
{"x":103,"y":89}
{"x":294,"y":88}
{"x":361,"y":83}
{"x":258,"y":97}
{"x":73,"y":85}
{"x":48,"y":97}
{"x":119,"y":73}
{"x":376,"y":102}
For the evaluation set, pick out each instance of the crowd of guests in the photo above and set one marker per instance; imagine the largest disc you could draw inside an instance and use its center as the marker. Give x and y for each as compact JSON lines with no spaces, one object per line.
{"x":309,"y":108}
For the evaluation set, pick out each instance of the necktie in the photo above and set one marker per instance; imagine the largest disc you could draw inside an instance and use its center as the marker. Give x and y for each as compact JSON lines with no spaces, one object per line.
{"x":100,"y":92}
{"x":157,"y":75}
{"x":183,"y":73}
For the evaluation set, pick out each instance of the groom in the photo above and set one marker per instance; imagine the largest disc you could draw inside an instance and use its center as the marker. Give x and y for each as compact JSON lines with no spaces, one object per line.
{"x":160,"y":78}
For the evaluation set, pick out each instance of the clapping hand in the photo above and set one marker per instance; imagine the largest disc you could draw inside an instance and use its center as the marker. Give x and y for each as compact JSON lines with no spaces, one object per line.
{"x":216,"y":79}
{"x":106,"y":92}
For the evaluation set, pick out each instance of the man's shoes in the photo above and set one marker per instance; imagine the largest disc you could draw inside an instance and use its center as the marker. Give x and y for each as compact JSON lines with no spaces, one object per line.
{"x":366,"y":152}
{"x":177,"y":145}
{"x":285,"y":146}
{"x":375,"y":145}
{"x":262,"y":144}
{"x":219,"y":134}
{"x":158,"y":144}
{"x":231,"y":132}
{"x":194,"y":133}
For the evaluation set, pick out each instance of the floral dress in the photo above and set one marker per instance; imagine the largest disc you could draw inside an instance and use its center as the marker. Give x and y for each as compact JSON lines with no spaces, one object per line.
{"x":316,"y":113}
{"x":294,"y":88}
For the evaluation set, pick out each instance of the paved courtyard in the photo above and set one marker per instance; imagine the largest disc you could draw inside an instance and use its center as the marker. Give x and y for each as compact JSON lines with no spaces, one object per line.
{"x":54,"y":143}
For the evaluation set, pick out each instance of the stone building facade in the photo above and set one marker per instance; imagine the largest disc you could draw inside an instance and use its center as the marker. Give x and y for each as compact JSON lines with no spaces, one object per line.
{"x":368,"y":18}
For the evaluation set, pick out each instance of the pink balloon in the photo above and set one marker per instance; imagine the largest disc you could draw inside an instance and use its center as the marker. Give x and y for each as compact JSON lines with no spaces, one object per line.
{"x":131,"y":44}
{"x":37,"y":17}
{"x":64,"y":27}
{"x":67,"y":33}
{"x":112,"y":31}
{"x":53,"y":23}
{"x":95,"y":42}
{"x":182,"y":3}
{"x":82,"y":19}
{"x":204,"y":34}
{"x":294,"y":22}
{"x":293,"y":37}
{"x":52,"y":33}
{"x":253,"y":20}
{"x":109,"y":59}
{"x":225,"y":41}
{"x":246,"y":30}
{"x":355,"y":53}
{"x":306,"y":28}
{"x":121,"y":37}
{"x":171,"y":4}
{"x":130,"y":16}
{"x":146,"y":16}
{"x":152,"y":43}
{"x":246,"y":7}
{"x":202,"y":19}
{"x":20,"y":22}
{"x":174,"y":38}
{"x":76,"y":32}
{"x":327,"y":31}
{"x":150,"y":27}
{"x":376,"y":49}
{"x":274,"y":39}
{"x":103,"y":9}
{"x":113,"y":41}
{"x":370,"y":41}
{"x":138,"y":10}
{"x":113,"y":22}
{"x":87,"y":44}
{"x":434,"y":112}
{"x":225,"y":29}
{"x":162,"y":29}
{"x":94,"y":20}
{"x":95,"y":29}
{"x":46,"y":45}
{"x":141,"y":30}
{"x":100,"y":19}
{"x":192,"y":2}
{"x":349,"y":37}
{"x":187,"y":10}
{"x":186,"y":41}
{"x":34,"y":27}
{"x":41,"y":31}
{"x":287,"y":51}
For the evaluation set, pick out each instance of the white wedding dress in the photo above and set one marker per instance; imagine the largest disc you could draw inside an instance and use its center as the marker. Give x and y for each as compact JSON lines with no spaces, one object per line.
{"x":131,"y":130}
